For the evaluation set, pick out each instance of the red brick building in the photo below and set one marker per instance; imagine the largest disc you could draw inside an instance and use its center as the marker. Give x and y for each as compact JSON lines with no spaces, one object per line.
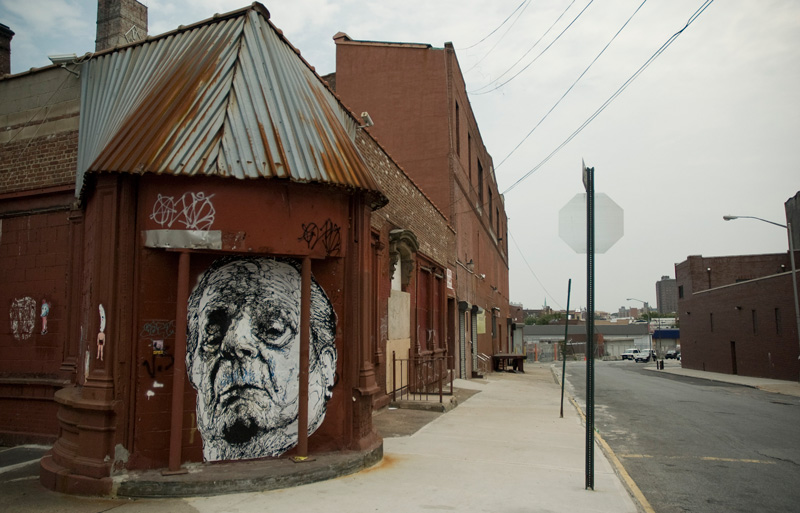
{"x":129,"y":256}
{"x":416,"y":95}
{"x":737,"y":315}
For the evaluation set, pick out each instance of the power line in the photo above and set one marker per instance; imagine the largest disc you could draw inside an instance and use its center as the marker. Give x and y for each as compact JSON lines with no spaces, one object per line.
{"x":570,"y":87}
{"x":478,"y":91}
{"x":498,"y":27}
{"x":531,"y":270}
{"x":498,"y":41}
{"x":616,"y":94}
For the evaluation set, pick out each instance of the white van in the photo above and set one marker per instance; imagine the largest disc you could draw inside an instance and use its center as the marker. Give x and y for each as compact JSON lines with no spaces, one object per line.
{"x":630,"y":354}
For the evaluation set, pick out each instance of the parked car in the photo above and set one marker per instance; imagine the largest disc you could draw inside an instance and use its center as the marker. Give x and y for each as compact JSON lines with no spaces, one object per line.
{"x":672,"y":355}
{"x":645,"y":356}
{"x":630,"y":354}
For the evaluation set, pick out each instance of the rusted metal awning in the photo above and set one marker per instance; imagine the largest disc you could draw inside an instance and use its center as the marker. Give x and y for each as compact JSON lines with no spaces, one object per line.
{"x":226,"y":97}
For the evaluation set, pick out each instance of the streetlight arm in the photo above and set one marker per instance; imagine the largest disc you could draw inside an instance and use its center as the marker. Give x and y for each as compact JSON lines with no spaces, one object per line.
{"x":731,"y":218}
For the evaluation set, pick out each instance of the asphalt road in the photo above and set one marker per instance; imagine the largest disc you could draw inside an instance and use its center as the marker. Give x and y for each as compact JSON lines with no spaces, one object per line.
{"x":693,"y":444}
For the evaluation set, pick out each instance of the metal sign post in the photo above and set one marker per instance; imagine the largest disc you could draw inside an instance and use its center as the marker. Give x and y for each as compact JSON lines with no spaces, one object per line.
{"x":588,"y":182}
{"x":581,"y":237}
{"x":564,"y":349}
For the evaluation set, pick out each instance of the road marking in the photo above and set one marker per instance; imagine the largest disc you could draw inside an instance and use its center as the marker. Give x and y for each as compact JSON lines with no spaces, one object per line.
{"x":702,"y":458}
{"x":9,"y":468}
{"x":612,"y":457}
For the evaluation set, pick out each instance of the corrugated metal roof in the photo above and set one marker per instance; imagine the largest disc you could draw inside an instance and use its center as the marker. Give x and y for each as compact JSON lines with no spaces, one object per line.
{"x":227,"y":97}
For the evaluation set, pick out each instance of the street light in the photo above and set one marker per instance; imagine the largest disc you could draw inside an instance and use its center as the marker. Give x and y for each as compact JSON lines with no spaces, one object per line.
{"x":647,"y":313}
{"x":788,"y":228}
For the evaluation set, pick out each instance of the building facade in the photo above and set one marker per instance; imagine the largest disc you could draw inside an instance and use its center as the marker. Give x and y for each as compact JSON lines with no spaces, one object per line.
{"x":737,"y":315}
{"x":666,"y":295}
{"x":165,"y":268}
{"x":416,"y":95}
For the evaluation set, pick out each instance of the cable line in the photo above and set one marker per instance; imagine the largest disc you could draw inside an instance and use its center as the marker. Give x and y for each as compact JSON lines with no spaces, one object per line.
{"x":478,"y":91}
{"x":498,"y":27}
{"x":616,"y":94}
{"x":570,"y":87}
{"x":508,"y":230}
{"x":499,"y":40}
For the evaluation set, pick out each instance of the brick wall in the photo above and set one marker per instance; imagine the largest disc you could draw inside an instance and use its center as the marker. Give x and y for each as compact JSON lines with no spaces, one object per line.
{"x":39,"y":120}
{"x":43,"y":162}
{"x":745,"y":328}
{"x":34,"y":256}
{"x":408,"y":207}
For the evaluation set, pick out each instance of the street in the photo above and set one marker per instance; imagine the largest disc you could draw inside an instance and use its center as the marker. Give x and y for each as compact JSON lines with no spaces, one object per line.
{"x":696,"y":445}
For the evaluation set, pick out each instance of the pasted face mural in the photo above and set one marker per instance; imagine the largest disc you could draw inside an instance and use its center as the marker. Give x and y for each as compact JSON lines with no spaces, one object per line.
{"x":243,"y":356}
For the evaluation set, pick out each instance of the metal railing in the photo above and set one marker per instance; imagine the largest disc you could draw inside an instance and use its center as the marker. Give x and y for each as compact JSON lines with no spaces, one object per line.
{"x":484,"y":364}
{"x":421,"y":378}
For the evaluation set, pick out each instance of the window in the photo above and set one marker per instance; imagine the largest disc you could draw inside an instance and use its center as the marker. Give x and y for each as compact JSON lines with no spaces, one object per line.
{"x":491,"y":211}
{"x":458,"y":131}
{"x":755,"y":321}
{"x":680,"y":291}
{"x":480,"y":184}
{"x":711,"y":320}
{"x":778,"y":321}
{"x":469,"y":156}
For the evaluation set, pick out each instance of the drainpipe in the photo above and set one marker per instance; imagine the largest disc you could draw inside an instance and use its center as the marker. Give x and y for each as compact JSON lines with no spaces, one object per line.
{"x":179,"y":369}
{"x":305,"y":341}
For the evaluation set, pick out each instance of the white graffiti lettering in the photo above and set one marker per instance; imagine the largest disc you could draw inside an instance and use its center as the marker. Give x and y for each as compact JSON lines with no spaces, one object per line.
{"x":193,"y":210}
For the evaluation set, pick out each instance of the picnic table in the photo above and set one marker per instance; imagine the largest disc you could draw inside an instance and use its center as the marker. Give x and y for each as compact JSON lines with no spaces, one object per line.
{"x":502,"y":361}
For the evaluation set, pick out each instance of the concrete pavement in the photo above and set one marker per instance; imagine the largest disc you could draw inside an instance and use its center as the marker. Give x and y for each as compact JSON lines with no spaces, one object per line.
{"x":503,"y":449}
{"x":768,"y":385}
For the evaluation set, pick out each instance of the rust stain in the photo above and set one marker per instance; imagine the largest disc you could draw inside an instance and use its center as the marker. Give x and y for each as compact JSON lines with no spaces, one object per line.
{"x":166,"y":110}
{"x":389,"y":461}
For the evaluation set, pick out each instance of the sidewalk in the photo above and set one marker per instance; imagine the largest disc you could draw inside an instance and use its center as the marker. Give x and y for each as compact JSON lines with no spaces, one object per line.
{"x":768,"y":385}
{"x":503,"y":449}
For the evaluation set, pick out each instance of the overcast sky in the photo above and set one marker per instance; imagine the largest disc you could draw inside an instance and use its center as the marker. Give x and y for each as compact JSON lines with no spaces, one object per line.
{"x":710,"y":127}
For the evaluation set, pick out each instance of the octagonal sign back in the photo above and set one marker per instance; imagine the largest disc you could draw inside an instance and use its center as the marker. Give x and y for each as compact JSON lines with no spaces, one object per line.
{"x":608,"y":223}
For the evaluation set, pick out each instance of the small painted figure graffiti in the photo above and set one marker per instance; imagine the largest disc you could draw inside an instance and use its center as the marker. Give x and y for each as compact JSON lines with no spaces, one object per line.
{"x":243,"y":356}
{"x":22,"y":315}
{"x":45,"y":313}
{"x":101,"y":336}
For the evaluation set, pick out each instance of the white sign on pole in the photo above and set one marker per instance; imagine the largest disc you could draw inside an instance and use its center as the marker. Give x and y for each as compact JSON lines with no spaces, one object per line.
{"x":608,"y":222}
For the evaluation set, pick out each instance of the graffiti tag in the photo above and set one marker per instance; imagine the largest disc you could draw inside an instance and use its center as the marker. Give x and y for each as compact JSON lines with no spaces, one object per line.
{"x":157,"y":364}
{"x":22,"y":315}
{"x":157,"y":329}
{"x":329,"y":234}
{"x":194,"y":210}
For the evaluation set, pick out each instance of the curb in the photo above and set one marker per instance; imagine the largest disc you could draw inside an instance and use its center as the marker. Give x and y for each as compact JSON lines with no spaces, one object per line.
{"x":636,"y":494}
{"x":213,"y":479}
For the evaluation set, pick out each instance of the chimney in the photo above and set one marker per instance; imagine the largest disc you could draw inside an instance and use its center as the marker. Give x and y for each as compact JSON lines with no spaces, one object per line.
{"x":120,"y":22}
{"x":5,"y":49}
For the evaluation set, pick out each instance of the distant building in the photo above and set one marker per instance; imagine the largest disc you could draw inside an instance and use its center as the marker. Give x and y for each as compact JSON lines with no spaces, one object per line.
{"x":737,"y":315}
{"x":610,"y":340}
{"x":667,"y":295}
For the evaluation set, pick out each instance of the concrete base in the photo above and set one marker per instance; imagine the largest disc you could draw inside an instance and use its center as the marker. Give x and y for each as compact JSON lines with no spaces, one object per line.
{"x":208,"y":479}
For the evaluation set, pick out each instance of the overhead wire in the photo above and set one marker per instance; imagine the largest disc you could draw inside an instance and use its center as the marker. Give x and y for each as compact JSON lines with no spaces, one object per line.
{"x":531,"y":269}
{"x":499,"y":40}
{"x":572,"y":86}
{"x":498,"y":27}
{"x":619,"y":91}
{"x":480,"y":90}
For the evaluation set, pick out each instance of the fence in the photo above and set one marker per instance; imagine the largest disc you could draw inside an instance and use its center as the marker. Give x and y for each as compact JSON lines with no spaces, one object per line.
{"x":422,"y":378}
